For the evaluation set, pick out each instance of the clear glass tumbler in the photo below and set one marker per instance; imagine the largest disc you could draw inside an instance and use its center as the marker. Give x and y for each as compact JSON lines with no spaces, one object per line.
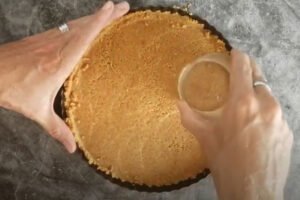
{"x":204,"y":83}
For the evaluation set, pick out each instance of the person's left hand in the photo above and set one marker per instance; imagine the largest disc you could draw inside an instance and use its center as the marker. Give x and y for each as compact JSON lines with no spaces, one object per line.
{"x":33,"y":69}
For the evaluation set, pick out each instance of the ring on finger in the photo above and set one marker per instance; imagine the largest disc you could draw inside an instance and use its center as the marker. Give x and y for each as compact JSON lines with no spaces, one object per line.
{"x":262,"y":83}
{"x":64,"y":28}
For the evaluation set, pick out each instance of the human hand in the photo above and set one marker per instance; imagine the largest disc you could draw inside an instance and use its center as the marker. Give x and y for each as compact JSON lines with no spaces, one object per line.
{"x":33,"y":69}
{"x":248,"y":146}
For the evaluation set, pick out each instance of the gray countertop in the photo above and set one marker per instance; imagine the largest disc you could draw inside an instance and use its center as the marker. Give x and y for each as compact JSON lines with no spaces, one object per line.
{"x":34,"y":166}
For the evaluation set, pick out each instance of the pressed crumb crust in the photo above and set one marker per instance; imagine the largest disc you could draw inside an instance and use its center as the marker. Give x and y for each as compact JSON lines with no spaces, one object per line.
{"x":121,"y":99}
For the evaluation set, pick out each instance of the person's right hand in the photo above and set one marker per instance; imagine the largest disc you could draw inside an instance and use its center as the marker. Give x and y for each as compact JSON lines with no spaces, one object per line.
{"x":248,"y":147}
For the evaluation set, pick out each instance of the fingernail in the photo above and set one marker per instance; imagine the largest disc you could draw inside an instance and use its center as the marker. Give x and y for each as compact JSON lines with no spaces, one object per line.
{"x":108,"y":5}
{"x":71,"y":147}
{"x":123,"y":5}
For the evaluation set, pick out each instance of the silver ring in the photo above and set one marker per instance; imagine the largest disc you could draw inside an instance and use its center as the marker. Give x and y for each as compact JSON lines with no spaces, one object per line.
{"x":63,"y":28}
{"x":262,"y":83}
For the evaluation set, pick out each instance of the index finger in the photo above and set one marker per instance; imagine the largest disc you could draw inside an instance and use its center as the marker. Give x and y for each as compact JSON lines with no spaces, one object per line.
{"x":241,"y":81}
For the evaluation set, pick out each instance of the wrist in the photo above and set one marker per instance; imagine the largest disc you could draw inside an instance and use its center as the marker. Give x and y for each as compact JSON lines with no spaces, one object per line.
{"x":253,"y":176}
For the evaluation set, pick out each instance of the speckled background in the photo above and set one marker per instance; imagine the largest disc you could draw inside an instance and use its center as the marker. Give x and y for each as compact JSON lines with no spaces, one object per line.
{"x":35,"y":167}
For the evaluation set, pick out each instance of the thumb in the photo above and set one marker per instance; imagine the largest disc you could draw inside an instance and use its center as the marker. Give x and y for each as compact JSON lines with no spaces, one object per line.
{"x":119,"y":10}
{"x":58,"y":129}
{"x":192,"y":121}
{"x":100,"y":18}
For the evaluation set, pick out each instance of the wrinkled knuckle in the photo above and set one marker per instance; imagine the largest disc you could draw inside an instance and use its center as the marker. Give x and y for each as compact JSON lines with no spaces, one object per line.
{"x":55,"y":133}
{"x":272,"y":112}
{"x":246,"y":105}
{"x":78,"y":36}
{"x":102,"y":16}
{"x":246,"y":69}
{"x":246,"y":100}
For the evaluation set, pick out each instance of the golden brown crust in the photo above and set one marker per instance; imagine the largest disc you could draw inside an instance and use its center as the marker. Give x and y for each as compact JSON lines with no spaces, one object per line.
{"x":121,"y":99}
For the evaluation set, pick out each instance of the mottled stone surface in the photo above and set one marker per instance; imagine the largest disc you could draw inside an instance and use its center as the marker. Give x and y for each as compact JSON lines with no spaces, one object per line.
{"x":34,"y":166}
